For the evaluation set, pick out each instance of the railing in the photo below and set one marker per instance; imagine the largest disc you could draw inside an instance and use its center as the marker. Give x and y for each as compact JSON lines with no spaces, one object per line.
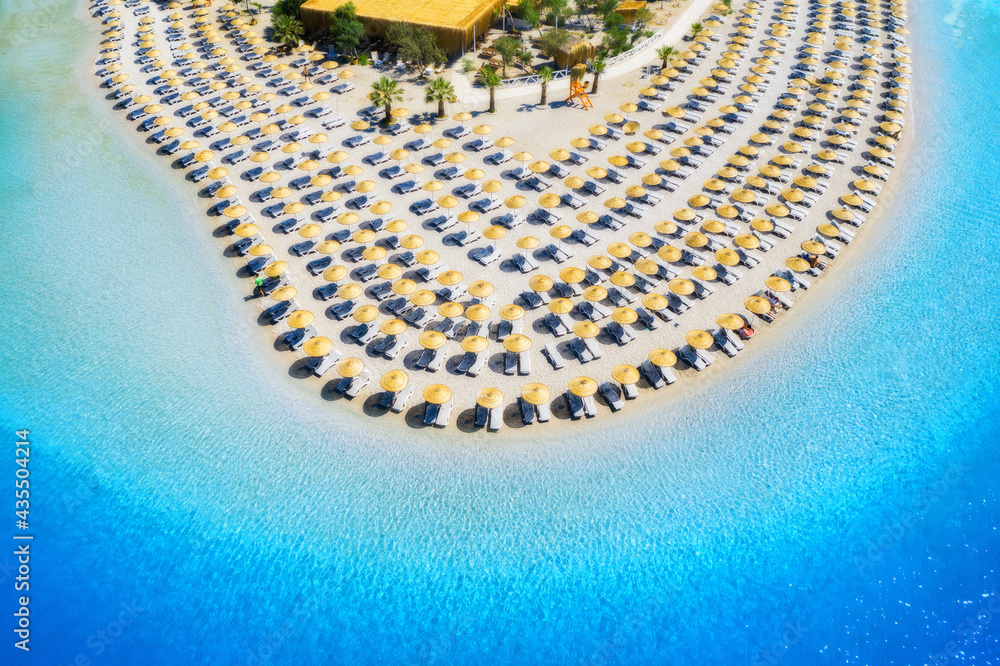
{"x":532,"y":78}
{"x":563,"y":73}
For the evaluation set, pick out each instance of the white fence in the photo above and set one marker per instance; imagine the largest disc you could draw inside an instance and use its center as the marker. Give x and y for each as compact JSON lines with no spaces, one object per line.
{"x":563,"y":73}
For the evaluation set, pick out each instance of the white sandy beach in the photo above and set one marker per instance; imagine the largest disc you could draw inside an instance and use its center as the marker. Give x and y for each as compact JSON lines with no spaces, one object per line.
{"x":538,"y":131}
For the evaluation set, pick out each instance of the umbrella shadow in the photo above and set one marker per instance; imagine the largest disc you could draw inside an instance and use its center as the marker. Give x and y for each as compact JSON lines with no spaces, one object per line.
{"x":328,"y":393}
{"x":512,"y":416}
{"x":508,"y":266}
{"x":466,"y":421}
{"x":415,"y":416}
{"x":560,"y":408}
{"x":298,"y":369}
{"x":371,"y":408}
{"x":496,"y":362}
{"x":451,"y":365}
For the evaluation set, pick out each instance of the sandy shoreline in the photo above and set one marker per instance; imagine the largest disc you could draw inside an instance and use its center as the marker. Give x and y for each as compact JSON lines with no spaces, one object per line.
{"x":508,"y":122}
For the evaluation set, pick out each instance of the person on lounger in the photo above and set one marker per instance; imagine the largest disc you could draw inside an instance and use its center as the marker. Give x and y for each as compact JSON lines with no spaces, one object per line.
{"x":775,"y":303}
{"x":816,"y":262}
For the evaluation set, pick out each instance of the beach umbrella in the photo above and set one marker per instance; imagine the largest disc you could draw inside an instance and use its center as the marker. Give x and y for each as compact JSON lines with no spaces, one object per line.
{"x":450,"y":309}
{"x":276,"y":269}
{"x":300,"y":319}
{"x":422,"y":297}
{"x":328,"y":247}
{"x":540,"y":283}
{"x":625,"y":374}
{"x":775,"y":283}
{"x":696,"y":239}
{"x":586,"y":329}
{"x":365,"y":314}
{"x":373,"y":253}
{"x":669,"y":253}
{"x":813,"y":247}
{"x":494,"y":232}
{"x":535,"y":393}
{"x":624,"y":316}
{"x":517,"y":343}
{"x":828,"y":230}
{"x":511,"y":312}
{"x":797,"y":264}
{"x":662,"y":358}
{"x":583,"y":387}
{"x":706,"y":273}
{"x":730,"y":321}
{"x":432,"y":339}
{"x":681,"y":287}
{"x":599,"y":261}
{"x":515,"y":201}
{"x":394,"y":381}
{"x":350,"y":367}
{"x":335,"y":274}
{"x":489,"y":398}
{"x":560,"y":305}
{"x":450,"y":278}
{"x":475,"y":344}
{"x":349,"y":290}
{"x":727,"y":257}
{"x":699,"y":339}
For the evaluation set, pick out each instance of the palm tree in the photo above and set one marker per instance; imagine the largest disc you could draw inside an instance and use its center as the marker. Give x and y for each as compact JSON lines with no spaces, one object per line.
{"x":384,"y":92}
{"x":665,"y":53}
{"x":440,"y":91}
{"x":491,"y":80}
{"x":287,"y":30}
{"x":598,"y":66}
{"x":695,"y":29}
{"x":544,"y":75}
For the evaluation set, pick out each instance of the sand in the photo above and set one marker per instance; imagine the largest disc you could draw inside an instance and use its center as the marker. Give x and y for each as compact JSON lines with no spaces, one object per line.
{"x":539,"y":130}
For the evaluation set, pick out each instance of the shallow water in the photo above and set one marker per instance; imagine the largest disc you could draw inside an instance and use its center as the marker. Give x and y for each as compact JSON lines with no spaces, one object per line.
{"x":252,"y":522}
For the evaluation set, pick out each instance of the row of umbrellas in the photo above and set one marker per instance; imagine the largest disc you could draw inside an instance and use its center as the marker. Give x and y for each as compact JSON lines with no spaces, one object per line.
{"x":516,"y":342}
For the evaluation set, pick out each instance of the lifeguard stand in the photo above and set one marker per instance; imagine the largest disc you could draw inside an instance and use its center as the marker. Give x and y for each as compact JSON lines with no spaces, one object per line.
{"x":578,"y":91}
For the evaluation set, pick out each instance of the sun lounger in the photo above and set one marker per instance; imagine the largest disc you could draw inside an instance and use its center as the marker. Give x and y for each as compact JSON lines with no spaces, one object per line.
{"x":481,"y":144}
{"x":651,"y":374}
{"x":611,"y":396}
{"x":583,"y":354}
{"x":502,"y":157}
{"x":688,"y":355}
{"x":485,"y":206}
{"x":487,"y":255}
{"x":593,"y":187}
{"x":437,"y":359}
{"x":575,"y":405}
{"x":553,"y":355}
{"x":527,"y":411}
{"x":547,"y":215}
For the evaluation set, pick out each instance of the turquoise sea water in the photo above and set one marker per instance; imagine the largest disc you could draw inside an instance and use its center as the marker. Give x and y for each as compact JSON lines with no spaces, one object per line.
{"x":830,"y":500}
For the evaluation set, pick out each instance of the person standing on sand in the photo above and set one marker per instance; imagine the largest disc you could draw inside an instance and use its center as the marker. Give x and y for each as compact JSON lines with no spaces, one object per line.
{"x":258,"y":289}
